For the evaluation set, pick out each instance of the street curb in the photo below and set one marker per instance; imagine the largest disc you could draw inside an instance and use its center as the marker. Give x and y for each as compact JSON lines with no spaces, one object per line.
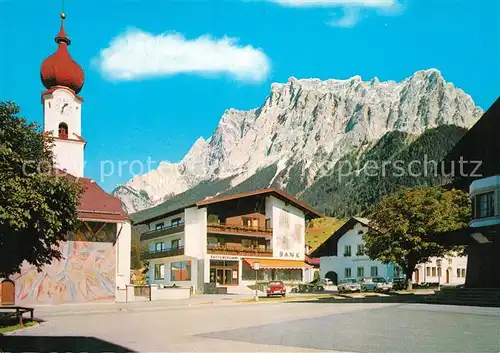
{"x":10,"y":333}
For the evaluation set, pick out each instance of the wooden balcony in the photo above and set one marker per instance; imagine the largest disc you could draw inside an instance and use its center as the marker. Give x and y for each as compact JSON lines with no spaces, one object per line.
{"x":151,"y":234}
{"x":220,"y":228}
{"x":239,"y":251}
{"x":163,"y":253}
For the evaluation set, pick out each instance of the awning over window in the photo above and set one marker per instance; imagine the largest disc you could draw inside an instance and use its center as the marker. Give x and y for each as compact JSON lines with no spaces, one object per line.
{"x":277,"y":264}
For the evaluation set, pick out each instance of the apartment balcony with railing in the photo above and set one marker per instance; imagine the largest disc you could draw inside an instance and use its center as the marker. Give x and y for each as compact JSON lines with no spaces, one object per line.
{"x":223,"y":228}
{"x":240,"y":250}
{"x":164,"y":252}
{"x":162,"y":231}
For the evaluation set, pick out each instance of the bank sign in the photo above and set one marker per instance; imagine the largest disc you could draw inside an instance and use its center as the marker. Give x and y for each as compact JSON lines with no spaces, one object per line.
{"x":289,"y":235}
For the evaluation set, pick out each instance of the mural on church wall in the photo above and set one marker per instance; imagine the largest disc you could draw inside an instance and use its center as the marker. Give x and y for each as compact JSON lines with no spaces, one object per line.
{"x":85,"y":273}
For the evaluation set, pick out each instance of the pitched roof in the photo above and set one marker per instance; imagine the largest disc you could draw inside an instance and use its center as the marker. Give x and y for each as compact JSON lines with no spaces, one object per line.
{"x":95,"y":203}
{"x":329,"y":246}
{"x":479,"y":144}
{"x":313,"y":261}
{"x":170,"y":208}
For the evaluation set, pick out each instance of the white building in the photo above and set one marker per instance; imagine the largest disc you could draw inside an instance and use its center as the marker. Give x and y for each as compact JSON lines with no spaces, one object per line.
{"x":218,"y":241}
{"x":342,"y":256}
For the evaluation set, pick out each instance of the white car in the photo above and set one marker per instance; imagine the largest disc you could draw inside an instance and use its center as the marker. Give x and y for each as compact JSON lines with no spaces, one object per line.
{"x":327,"y":282}
{"x":349,"y":285}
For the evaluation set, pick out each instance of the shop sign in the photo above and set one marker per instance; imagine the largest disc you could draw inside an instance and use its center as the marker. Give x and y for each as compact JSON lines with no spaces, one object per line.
{"x":224,"y":257}
{"x":289,"y":254}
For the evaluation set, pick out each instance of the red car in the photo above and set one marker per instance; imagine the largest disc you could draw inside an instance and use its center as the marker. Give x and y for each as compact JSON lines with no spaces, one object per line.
{"x":276,"y":288}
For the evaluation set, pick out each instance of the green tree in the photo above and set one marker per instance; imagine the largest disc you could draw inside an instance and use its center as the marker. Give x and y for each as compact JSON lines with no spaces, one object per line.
{"x":403,"y":221}
{"x":137,"y":249}
{"x":37,"y":207}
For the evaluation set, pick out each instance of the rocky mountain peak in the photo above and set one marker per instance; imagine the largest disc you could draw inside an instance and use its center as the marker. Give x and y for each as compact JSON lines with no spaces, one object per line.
{"x":307,"y":125}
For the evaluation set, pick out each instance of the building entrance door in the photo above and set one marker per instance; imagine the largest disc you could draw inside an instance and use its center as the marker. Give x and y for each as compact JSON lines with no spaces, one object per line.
{"x":224,"y":273}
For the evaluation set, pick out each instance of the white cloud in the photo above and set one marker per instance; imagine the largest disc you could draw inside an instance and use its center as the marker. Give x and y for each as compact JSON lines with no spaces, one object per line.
{"x":348,"y":20}
{"x":337,"y":3}
{"x":352,"y":8}
{"x":136,"y":54}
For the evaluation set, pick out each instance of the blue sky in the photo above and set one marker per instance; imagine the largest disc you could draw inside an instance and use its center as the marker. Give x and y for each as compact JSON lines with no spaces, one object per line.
{"x":159,"y":74}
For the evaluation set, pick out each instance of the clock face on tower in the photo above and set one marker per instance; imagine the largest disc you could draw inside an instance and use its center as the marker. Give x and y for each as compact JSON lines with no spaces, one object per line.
{"x":64,"y":106}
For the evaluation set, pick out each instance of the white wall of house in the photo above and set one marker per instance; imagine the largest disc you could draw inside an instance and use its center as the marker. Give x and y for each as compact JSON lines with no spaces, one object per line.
{"x":355,"y":265}
{"x":289,"y":229}
{"x":166,"y":279}
{"x":453,"y":265}
{"x":453,"y":269}
{"x":195,"y":230}
{"x":122,"y":253}
{"x":194,"y":240}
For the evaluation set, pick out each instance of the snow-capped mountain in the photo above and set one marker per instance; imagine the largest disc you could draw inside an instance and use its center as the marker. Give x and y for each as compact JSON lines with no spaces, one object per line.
{"x":306,"y":125}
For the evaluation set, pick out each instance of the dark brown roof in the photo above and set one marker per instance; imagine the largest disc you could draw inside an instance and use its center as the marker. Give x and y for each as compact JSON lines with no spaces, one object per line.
{"x":95,"y":203}
{"x":481,"y":144}
{"x":167,"y":209}
{"x":271,"y":191}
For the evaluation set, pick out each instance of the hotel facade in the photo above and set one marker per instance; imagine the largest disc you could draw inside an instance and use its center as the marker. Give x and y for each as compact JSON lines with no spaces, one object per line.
{"x":219,"y":241}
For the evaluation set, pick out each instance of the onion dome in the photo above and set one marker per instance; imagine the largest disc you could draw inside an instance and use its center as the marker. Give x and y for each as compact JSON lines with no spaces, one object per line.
{"x":60,"y":69}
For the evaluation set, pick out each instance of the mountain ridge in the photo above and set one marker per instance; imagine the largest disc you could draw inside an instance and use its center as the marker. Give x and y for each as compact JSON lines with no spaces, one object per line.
{"x":303,"y":128}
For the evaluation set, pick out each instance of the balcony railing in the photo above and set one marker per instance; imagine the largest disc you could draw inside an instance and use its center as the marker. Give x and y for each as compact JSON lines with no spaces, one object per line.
{"x":222,"y":228}
{"x":172,"y":229}
{"x":240,"y":251}
{"x":155,"y":254}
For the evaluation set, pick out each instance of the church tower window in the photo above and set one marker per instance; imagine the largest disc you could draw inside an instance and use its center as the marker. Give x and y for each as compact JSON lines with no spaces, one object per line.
{"x":63,"y":130}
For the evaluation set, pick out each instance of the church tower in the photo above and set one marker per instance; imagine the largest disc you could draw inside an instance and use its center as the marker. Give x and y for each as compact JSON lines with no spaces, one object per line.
{"x":62,"y":107}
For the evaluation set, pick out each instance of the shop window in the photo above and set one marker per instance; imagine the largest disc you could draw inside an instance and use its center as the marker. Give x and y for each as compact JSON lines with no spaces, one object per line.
{"x":159,"y":271}
{"x":180,"y":271}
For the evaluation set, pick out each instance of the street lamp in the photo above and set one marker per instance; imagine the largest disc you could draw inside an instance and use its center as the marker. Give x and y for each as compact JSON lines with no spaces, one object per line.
{"x":439,"y":263}
{"x":256,"y":267}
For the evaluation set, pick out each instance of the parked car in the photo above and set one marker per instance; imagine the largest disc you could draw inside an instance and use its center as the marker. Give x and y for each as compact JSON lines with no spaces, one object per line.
{"x":398,"y":283}
{"x":377,"y":284}
{"x":349,"y":285}
{"x":276,"y":288}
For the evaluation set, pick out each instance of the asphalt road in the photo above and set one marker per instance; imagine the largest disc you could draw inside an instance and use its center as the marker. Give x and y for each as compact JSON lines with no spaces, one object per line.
{"x":264,"y":327}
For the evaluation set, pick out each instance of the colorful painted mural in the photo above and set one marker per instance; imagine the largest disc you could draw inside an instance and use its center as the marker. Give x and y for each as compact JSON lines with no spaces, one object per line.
{"x":85,"y":273}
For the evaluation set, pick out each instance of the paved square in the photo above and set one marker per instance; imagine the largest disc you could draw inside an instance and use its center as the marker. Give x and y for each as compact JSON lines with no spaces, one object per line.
{"x":291,"y":327}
